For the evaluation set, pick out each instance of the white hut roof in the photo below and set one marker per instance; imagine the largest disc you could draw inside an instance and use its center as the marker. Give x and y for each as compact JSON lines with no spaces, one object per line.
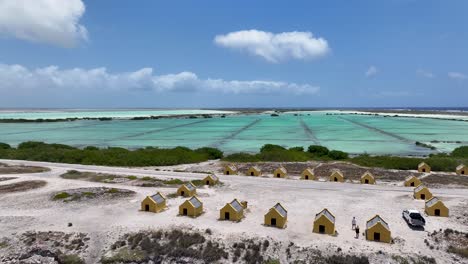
{"x":214,"y":177}
{"x":309,"y":170}
{"x":190,"y":186}
{"x":367,"y":173}
{"x":375,"y":220}
{"x":461,"y":166}
{"x":282,"y":169}
{"x":327,"y":214}
{"x":432,"y":201}
{"x":237,"y":206}
{"x":231,"y":167}
{"x":255,"y":168}
{"x":419,"y":188}
{"x":337,"y":171}
{"x":422,"y":164}
{"x":410,"y":177}
{"x":196,"y":203}
{"x":281,"y":210}
{"x":158,"y":198}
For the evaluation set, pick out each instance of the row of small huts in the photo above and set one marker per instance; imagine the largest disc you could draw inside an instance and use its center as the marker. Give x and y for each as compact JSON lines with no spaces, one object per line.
{"x":324,"y":223}
{"x":307,"y":174}
{"x":281,"y":172}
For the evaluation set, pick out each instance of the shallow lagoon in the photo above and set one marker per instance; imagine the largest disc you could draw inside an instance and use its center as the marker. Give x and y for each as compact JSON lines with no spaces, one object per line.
{"x":350,"y":133}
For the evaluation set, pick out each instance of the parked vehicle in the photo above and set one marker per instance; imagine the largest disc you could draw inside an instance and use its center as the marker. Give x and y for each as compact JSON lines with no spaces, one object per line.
{"x":413,"y":218}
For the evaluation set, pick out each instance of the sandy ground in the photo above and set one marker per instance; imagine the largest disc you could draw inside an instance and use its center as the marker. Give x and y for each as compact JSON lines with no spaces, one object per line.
{"x":104,"y":221}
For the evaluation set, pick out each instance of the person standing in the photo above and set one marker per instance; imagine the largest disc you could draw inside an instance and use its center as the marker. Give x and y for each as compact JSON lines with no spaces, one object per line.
{"x":357,"y":231}
{"x":353,"y":223}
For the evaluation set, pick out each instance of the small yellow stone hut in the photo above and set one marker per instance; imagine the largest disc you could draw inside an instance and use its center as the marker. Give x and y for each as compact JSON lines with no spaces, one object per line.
{"x":324,"y":223}
{"x":192,"y":207}
{"x":230,"y":170}
{"x":412,"y":181}
{"x":280,"y":172}
{"x":155,"y":203}
{"x":423,"y":167}
{"x":436,"y":207}
{"x":367,"y":178}
{"x":308,"y":174}
{"x":422,"y":192}
{"x":233,"y":211}
{"x":277,"y":216}
{"x":336,"y":176}
{"x":211,"y":180}
{"x":254,"y":171}
{"x":187,"y":190}
{"x":378,"y":230}
{"x":462,"y":169}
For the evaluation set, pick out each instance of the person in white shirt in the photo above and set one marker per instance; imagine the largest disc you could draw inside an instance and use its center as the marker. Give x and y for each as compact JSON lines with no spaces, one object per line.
{"x":353,"y":223}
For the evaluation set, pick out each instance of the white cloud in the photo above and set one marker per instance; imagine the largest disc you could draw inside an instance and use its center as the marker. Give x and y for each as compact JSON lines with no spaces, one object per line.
{"x":275,"y":47}
{"x":424,"y":73}
{"x":457,"y":76}
{"x":19,"y":78}
{"x":48,"y":21}
{"x":372,"y":71}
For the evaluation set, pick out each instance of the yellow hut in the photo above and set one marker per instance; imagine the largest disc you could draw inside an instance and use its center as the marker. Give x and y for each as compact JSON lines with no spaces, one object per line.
{"x":462,"y":169}
{"x":191,"y":207}
{"x":211,"y":180}
{"x":412,"y":181}
{"x":155,"y":203}
{"x":233,"y":211}
{"x":378,"y":230}
{"x":230,"y":170}
{"x":336,"y":176}
{"x":436,"y":207}
{"x":367,"y":178}
{"x":324,"y":223}
{"x":308,"y":174}
{"x":254,"y":171}
{"x":280,"y":172}
{"x":423,"y":167}
{"x":277,"y":216}
{"x":187,"y":190}
{"x":422,"y":192}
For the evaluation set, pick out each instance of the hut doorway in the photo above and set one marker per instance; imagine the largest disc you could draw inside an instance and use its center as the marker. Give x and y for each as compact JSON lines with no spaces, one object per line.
{"x":251,"y":173}
{"x":207,"y":182}
{"x":227,"y":172}
{"x":226,"y":215}
{"x":273,"y":221}
{"x":321,"y":229}
{"x":412,"y":184}
{"x":147,"y":207}
{"x":336,"y":179}
{"x":182,"y":193}
{"x":423,"y":170}
{"x":307,"y":177}
{"x":462,"y":172}
{"x":423,"y":197}
{"x":278,"y":175}
{"x":366,"y":181}
{"x":377,"y":236}
{"x":185,"y":211}
{"x":437,"y":212}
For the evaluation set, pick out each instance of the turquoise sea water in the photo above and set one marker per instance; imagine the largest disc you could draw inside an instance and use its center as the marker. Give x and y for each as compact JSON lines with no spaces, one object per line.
{"x":350,"y":133}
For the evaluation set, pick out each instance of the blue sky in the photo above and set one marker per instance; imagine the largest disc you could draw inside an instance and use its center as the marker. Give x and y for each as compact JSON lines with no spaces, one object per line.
{"x":268,"y":54}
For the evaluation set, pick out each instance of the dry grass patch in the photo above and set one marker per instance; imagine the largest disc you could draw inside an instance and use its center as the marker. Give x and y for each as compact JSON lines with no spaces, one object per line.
{"x":445,"y":180}
{"x":7,"y":178}
{"x":22,"y":186}
{"x":82,"y":194}
{"x":17,"y":169}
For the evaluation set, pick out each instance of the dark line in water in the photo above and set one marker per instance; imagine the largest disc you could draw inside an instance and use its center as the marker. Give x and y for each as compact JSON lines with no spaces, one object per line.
{"x":235,"y":133}
{"x":377,"y":130}
{"x":156,"y":130}
{"x":309,"y":132}
{"x":56,"y":128}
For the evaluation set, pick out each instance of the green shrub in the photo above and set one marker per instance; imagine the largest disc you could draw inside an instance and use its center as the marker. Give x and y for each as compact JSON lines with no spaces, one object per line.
{"x":62,"y":195}
{"x":4,"y":146}
{"x":132,"y":177}
{"x":461,"y":152}
{"x":301,"y":149}
{"x":271,"y":147}
{"x":337,"y":155}
{"x":318,"y":150}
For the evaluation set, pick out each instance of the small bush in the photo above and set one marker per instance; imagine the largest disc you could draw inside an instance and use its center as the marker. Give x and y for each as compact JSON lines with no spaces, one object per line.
{"x":70,"y":259}
{"x":337,"y":155}
{"x":4,"y":146}
{"x":132,"y":177}
{"x":318,"y":150}
{"x":62,"y":195}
